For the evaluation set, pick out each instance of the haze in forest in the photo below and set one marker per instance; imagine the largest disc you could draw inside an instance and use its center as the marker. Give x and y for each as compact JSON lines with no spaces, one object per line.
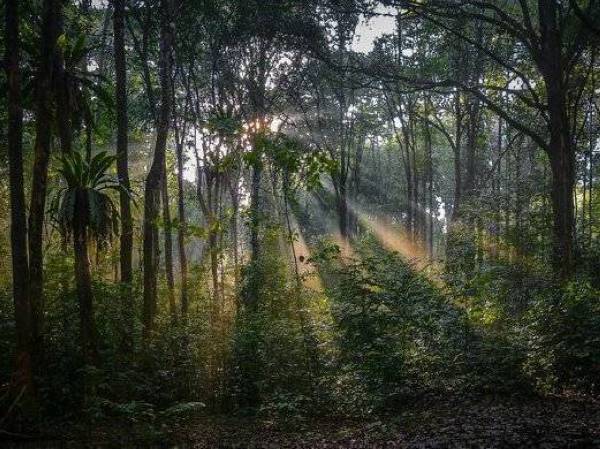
{"x":300,"y":223}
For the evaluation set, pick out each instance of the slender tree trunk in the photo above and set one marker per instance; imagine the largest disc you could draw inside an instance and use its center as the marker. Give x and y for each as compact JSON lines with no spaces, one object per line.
{"x":153,"y":180}
{"x":214,"y":260}
{"x":83,"y":281}
{"x":234,"y":231}
{"x":87,"y":114}
{"x":496,"y":214}
{"x":457,"y":159}
{"x":122,"y":138}
{"x":518,"y":207}
{"x":52,"y":10}
{"x":591,"y":181}
{"x":126,"y":238}
{"x":408,"y":172}
{"x":251,"y":294}
{"x":429,"y":222}
{"x":168,"y":242}
{"x":181,"y":231}
{"x":471,"y":149}
{"x":18,"y":228}
{"x":342,"y":209}
{"x":62,"y":97}
{"x":356,"y":180}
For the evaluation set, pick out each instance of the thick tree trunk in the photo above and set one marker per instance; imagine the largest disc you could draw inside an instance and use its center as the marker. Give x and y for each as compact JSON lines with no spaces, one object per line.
{"x":18,"y":229}
{"x":563,"y":180}
{"x":153,"y":181}
{"x":83,"y":281}
{"x":560,"y":149}
{"x":52,"y":10}
{"x":151,"y":203}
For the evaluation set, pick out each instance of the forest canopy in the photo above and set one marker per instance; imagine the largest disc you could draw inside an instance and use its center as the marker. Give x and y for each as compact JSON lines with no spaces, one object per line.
{"x":296,"y":209}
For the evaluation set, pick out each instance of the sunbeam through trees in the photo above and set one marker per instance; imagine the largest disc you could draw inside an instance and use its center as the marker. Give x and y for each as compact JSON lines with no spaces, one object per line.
{"x":300,"y":223}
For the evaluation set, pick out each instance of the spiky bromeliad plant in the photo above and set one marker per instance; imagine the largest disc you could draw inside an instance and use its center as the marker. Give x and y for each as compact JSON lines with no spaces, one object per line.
{"x":84,"y":210}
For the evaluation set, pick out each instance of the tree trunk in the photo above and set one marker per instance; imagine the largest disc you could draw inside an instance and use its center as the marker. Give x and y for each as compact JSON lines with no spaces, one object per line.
{"x":563,"y":180}
{"x":234,"y":231}
{"x":153,"y":180}
{"x":52,"y":10}
{"x":168,"y":243}
{"x":126,"y":238}
{"x":83,"y":281}
{"x":429,"y":221}
{"x":457,"y":159}
{"x":181,"y":231}
{"x":62,"y":97}
{"x":251,"y":293}
{"x":122,"y":138}
{"x":560,"y":149}
{"x":18,"y":229}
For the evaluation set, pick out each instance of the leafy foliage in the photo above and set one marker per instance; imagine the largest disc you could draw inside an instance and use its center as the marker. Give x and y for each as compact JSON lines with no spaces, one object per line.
{"x":87,"y":181}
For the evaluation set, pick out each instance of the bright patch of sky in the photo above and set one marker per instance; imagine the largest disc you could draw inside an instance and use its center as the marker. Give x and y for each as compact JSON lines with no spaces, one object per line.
{"x":368,"y":30}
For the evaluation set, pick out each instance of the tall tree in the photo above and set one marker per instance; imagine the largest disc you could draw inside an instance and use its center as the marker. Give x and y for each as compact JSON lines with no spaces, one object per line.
{"x":182,"y":229}
{"x":51,"y":17}
{"x":18,"y":227}
{"x":168,"y":243}
{"x":153,"y":181}
{"x":126,"y":238}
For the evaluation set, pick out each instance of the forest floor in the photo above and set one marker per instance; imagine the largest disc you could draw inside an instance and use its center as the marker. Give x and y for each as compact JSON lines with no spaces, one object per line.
{"x":483,"y":422}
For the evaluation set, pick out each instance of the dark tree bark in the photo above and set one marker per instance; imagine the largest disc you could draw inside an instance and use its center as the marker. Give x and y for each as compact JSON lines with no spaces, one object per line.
{"x":258,"y":111}
{"x":52,"y":11}
{"x":457,"y":158}
{"x":18,"y":228}
{"x":83,"y":281}
{"x":84,"y":7}
{"x":168,"y":242}
{"x":126,"y":243}
{"x":153,"y":180}
{"x":430,"y":215}
{"x":181,"y":231}
{"x":62,"y":97}
{"x":126,"y":238}
{"x":251,"y":294}
{"x":235,"y":202}
{"x":342,"y":208}
{"x":560,"y":148}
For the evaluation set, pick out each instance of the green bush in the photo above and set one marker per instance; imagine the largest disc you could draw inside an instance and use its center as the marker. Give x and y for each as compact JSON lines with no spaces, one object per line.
{"x":562,"y":332}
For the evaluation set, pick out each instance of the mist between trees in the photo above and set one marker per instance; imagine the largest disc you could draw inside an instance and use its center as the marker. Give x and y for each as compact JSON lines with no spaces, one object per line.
{"x":231,"y":207}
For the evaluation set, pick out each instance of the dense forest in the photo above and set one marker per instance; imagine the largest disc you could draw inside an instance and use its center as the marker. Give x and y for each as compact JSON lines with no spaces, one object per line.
{"x":300,"y":223}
